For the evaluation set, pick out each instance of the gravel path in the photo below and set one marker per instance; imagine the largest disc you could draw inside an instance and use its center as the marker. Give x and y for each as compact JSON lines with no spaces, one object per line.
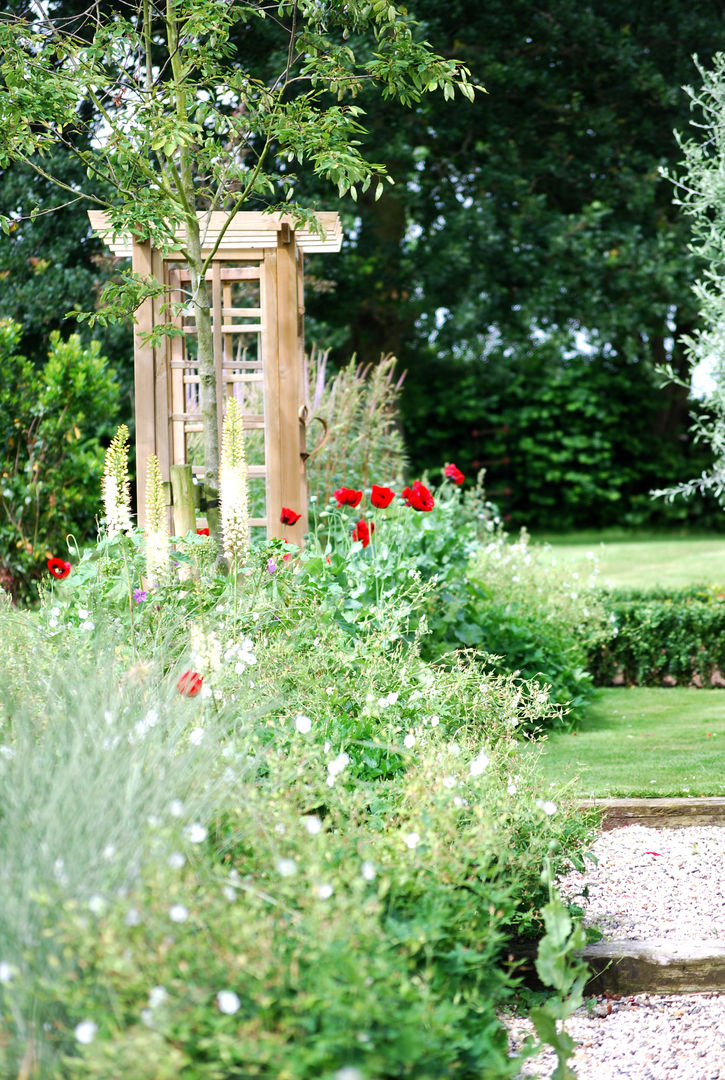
{"x":655,"y":883}
{"x":648,"y":883}
{"x":647,"y":1037}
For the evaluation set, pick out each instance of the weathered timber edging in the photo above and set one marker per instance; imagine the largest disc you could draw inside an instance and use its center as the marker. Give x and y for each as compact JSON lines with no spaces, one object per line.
{"x":663,"y":966}
{"x":658,"y":813}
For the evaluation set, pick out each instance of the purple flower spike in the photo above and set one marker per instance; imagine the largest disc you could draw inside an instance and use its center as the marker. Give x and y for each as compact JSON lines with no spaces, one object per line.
{"x":271,"y":566}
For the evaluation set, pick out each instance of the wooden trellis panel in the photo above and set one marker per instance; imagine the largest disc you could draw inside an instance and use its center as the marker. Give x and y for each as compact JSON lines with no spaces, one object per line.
{"x":256,"y":285}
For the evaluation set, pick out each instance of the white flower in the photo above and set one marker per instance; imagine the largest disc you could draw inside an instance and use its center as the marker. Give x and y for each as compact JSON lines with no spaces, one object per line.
{"x":454,"y":748}
{"x":409,"y":741}
{"x":325,"y":891}
{"x":349,"y":1072}
{"x":368,"y":871}
{"x":547,"y":806}
{"x":511,"y":788}
{"x":85,"y":1032}
{"x":228,"y":1002}
{"x":337,"y":765}
{"x":176,"y":860}
{"x":478,"y":764}
{"x":329,"y":690}
{"x":83,"y":613}
{"x":246,"y":655}
{"x":157,"y":996}
{"x":7,"y":752}
{"x":6,"y":972}
{"x":108,"y":717}
{"x":286,"y":867}
{"x":435,"y":721}
{"x":229,"y":893}
{"x":108,"y":852}
{"x":449,"y":781}
{"x":196,"y":736}
{"x":195,"y":834}
{"x":176,"y":808}
{"x":132,"y":917}
{"x":97,"y":904}
{"x":393,"y":697}
{"x":178,"y":913}
{"x":312,"y":824}
{"x":412,"y":840}
{"x":303,"y":724}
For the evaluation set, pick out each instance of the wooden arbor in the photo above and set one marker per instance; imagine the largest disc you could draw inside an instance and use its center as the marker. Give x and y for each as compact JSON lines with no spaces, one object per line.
{"x":257,"y":305}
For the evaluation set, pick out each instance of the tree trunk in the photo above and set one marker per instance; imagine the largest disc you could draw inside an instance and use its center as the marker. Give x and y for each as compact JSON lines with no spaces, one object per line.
{"x":206,"y":364}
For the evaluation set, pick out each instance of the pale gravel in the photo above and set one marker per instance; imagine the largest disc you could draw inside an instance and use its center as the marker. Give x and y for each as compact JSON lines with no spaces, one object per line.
{"x":654,"y":883}
{"x":647,"y":884}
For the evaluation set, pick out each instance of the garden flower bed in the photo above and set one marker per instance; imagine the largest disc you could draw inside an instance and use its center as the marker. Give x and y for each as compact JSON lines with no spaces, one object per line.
{"x":249,"y":830}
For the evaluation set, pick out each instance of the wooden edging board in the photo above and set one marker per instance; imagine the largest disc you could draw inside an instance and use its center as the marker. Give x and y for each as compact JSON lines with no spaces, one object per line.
{"x":658,"y":813}
{"x":661,"y":966}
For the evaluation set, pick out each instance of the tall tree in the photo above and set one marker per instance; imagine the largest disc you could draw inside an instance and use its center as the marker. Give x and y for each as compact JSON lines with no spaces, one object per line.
{"x":167,"y":119}
{"x":538,"y":211}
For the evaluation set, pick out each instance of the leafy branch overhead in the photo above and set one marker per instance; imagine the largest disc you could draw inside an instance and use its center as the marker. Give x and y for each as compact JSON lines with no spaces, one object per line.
{"x":179,"y":119}
{"x":175,"y":110}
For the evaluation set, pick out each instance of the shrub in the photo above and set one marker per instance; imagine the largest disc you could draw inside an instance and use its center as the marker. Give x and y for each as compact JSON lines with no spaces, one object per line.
{"x":53,"y":464}
{"x":660,"y":636}
{"x":295,"y":871}
{"x":540,"y":620}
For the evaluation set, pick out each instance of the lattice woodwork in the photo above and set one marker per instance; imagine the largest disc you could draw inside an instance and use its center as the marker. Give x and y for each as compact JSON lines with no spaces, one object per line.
{"x":256,"y":285}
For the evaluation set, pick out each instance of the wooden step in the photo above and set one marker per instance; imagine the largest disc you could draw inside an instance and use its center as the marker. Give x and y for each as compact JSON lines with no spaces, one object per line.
{"x":658,"y":966}
{"x":662,"y":966}
{"x":658,"y":813}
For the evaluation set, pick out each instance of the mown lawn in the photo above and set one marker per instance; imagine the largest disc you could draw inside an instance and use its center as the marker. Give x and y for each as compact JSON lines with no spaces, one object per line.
{"x":643,"y":741}
{"x":644,"y":561}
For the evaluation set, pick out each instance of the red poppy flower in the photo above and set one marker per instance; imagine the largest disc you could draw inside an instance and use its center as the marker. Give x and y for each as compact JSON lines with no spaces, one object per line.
{"x":58,"y":568}
{"x":419,"y":497}
{"x":381,"y":497}
{"x":347,"y":497}
{"x":453,"y":473}
{"x":202,"y":532}
{"x":289,"y":517}
{"x":363,"y":532}
{"x":189,"y":683}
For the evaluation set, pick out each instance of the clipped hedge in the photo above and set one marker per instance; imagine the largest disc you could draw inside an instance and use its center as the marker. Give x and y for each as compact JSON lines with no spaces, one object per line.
{"x":661,"y":636}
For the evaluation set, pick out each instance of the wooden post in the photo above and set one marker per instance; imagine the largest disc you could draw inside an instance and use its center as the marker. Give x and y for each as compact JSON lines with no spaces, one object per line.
{"x":182,"y":487}
{"x":270,"y":369}
{"x":291,"y":396}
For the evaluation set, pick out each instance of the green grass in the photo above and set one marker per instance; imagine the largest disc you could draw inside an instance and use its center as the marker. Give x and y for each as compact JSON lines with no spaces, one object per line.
{"x":642,"y":741}
{"x":643,"y":561}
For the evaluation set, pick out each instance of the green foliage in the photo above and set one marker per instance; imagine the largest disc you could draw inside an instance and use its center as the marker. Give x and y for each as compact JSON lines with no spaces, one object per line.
{"x":540,"y":619}
{"x":660,"y":635}
{"x":466,"y":587}
{"x":194,"y":899}
{"x":568,"y":441}
{"x":52,"y":465}
{"x":558,"y":965}
{"x":699,"y":190}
